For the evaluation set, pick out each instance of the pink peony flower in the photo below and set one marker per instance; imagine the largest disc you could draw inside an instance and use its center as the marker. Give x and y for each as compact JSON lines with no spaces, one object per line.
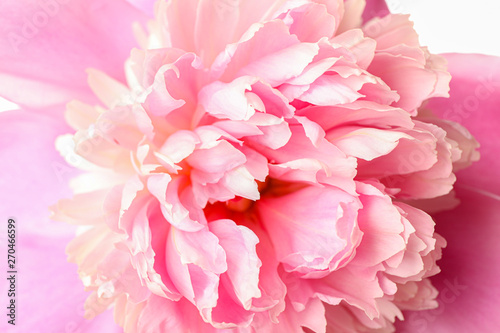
{"x":259,"y":170}
{"x":253,"y":180}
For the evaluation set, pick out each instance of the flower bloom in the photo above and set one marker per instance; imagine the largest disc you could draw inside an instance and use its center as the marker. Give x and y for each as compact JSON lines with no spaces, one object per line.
{"x":261,"y":171}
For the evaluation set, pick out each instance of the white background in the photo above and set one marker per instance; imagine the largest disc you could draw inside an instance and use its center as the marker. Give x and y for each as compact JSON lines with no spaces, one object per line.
{"x":465,"y":26}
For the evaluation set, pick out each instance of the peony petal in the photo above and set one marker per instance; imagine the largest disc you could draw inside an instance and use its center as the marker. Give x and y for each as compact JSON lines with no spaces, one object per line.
{"x":311,"y":236}
{"x":147,"y":6}
{"x":35,"y":176}
{"x":173,"y":208}
{"x":32,"y":166}
{"x":206,"y":27}
{"x":57,"y":283}
{"x":380,"y":241}
{"x":468,"y":283}
{"x":375,"y":8}
{"x":291,"y":321}
{"x":182,"y":317}
{"x":262,"y":55}
{"x":184,"y":253}
{"x":325,"y":163}
{"x":311,"y":22}
{"x":352,"y":18}
{"x":242,"y":261}
{"x":220,"y":158}
{"x":228,"y":100}
{"x":47,"y":45}
{"x":474,"y":101}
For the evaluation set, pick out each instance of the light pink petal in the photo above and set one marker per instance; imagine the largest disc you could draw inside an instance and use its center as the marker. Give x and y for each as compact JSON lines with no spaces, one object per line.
{"x":57,"y":282}
{"x":313,"y":131}
{"x":144,"y":64}
{"x":303,"y":248}
{"x":324,"y":163}
{"x":147,"y":6}
{"x":59,"y":40}
{"x":273,"y":290}
{"x":327,"y":56}
{"x":333,"y":89}
{"x":172,"y":207}
{"x":425,"y":182}
{"x":174,"y":90}
{"x":205,"y":27}
{"x":87,"y":207}
{"x":391,"y":30}
{"x":364,"y":142}
{"x":242,"y":183}
{"x":228,"y":313}
{"x":256,"y":164}
{"x":201,"y":248}
{"x":352,"y":18}
{"x":262,"y":55}
{"x":179,"y":145}
{"x":158,"y":280}
{"x":220,"y":158}
{"x":422,"y":250}
{"x":411,"y":155}
{"x":311,"y":22}
{"x":160,"y":102}
{"x":409,"y":78}
{"x":464,"y":145}
{"x":194,"y":262}
{"x":355,"y":286}
{"x":32,"y":167}
{"x":363,"y":113}
{"x":131,"y":125}
{"x":399,"y":56}
{"x":291,"y":321}
{"x":243,"y":264}
{"x":272,"y":101}
{"x":341,"y":319}
{"x":380,"y":240}
{"x":362,"y":47}
{"x":228,"y":100}
{"x":275,"y":131}
{"x":182,"y":317}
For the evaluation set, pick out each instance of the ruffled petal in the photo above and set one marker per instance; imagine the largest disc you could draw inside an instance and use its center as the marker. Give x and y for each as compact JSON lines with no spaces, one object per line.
{"x":311,"y":238}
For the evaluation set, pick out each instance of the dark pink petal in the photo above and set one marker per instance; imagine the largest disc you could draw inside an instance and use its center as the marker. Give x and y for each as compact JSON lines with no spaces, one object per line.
{"x":474,"y":102}
{"x":468,"y":282}
{"x":375,"y":8}
{"x":469,"y":285}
